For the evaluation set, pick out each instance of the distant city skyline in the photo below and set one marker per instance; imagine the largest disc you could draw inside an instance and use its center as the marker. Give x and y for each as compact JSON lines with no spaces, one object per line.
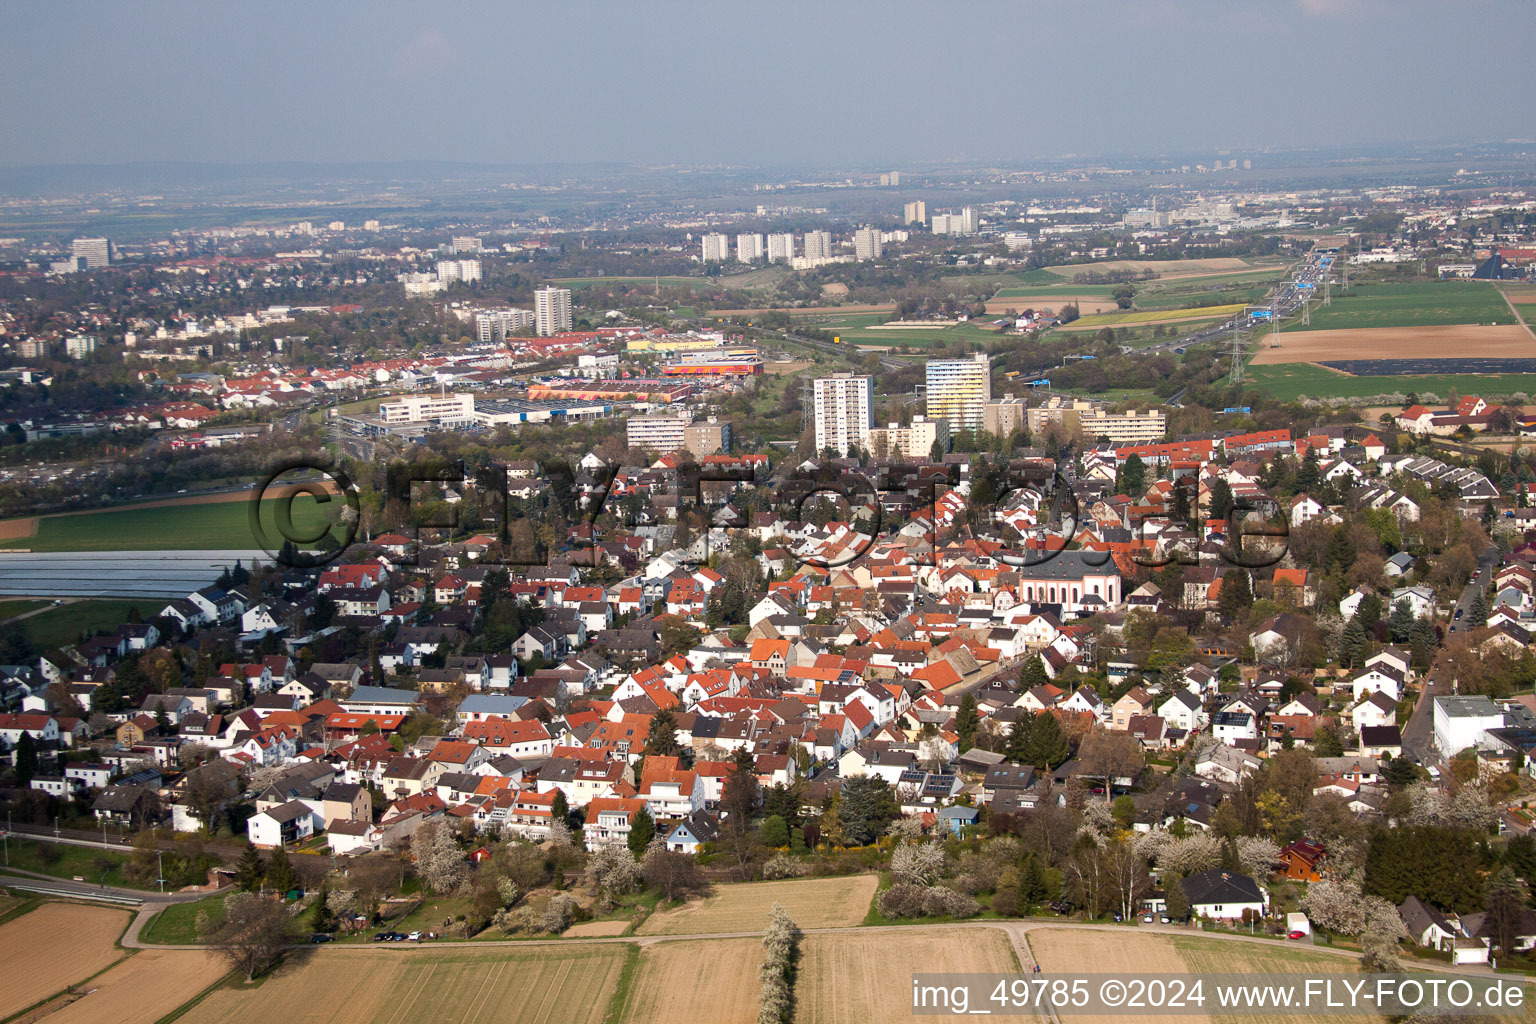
{"x":387,"y":82}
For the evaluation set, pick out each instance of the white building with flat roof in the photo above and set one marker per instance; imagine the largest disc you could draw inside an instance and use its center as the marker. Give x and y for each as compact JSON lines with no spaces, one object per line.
{"x":96,"y":252}
{"x":914,"y":441}
{"x":453,"y":408}
{"x":959,"y":390}
{"x":818,"y":245}
{"x":1462,"y":722}
{"x":781,"y":247}
{"x":551,"y":310}
{"x":749,"y":247}
{"x":715,"y":248}
{"x":843,"y":411}
{"x":866,"y":244}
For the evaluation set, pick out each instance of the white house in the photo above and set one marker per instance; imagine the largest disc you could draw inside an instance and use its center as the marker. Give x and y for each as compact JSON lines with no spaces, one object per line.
{"x":1223,"y":895}
{"x":1182,"y":710}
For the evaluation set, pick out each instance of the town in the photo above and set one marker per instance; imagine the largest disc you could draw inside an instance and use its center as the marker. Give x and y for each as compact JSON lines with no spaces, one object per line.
{"x":643,"y":579}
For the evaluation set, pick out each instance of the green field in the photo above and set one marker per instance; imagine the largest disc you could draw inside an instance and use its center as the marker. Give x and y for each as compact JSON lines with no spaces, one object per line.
{"x":61,"y":860}
{"x":1418,"y":304}
{"x":177,"y":923}
{"x":1287,"y":381}
{"x":64,"y":624}
{"x":212,"y":525}
{"x":11,"y":609}
{"x":1151,"y":316}
{"x":1527,"y":313}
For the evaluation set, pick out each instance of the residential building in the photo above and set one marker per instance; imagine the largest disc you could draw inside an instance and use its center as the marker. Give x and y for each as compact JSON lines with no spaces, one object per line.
{"x":818,"y":245}
{"x":781,"y":247}
{"x":1004,"y":416}
{"x":843,"y":412}
{"x":444,"y":409}
{"x":959,"y":390}
{"x":911,"y":442}
{"x":551,"y":310}
{"x":749,"y":247}
{"x":915,"y":212}
{"x":449,"y":271}
{"x":866,"y":244}
{"x":715,"y":248}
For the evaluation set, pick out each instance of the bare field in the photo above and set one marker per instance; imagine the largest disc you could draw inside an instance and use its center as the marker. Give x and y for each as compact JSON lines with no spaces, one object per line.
{"x":1463,"y":342}
{"x":544,"y":985}
{"x":1100,"y":952}
{"x":1086,"y":304}
{"x":700,"y":982}
{"x":595,"y":930}
{"x":744,"y":907}
{"x":865,"y":977}
{"x":144,"y":988}
{"x":53,"y":947}
{"x":1098,"y":323}
{"x":15,"y":529}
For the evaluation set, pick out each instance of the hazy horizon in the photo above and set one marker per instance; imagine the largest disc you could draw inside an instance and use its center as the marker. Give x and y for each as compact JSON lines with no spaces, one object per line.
{"x":794,"y":84}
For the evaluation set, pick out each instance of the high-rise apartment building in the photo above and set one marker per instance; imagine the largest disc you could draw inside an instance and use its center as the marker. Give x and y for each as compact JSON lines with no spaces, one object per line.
{"x":676,"y":432}
{"x":915,"y":213}
{"x":781,"y":247}
{"x":96,"y":252}
{"x":959,"y":390}
{"x":466,"y":243}
{"x":866,"y":244}
{"x":818,"y":245}
{"x":458,"y":270}
{"x":843,"y":411}
{"x":749,"y":247}
{"x":715,"y":248}
{"x":551,"y":310}
{"x":500,"y":324}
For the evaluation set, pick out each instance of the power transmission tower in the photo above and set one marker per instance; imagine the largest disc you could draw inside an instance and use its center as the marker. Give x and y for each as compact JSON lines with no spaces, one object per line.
{"x":1327,"y":291}
{"x":1237,"y":348}
{"x":1306,"y":311}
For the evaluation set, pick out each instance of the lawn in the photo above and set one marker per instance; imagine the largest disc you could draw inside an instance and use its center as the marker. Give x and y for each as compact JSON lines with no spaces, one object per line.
{"x":571,"y":984}
{"x":1416,"y":304}
{"x":177,"y":923}
{"x":64,"y":624}
{"x":11,"y":609}
{"x":1287,"y":381}
{"x":206,"y":526}
{"x":62,"y":860}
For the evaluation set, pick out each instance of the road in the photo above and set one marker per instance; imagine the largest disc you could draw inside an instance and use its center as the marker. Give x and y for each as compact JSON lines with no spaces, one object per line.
{"x":1418,"y":735}
{"x":31,"y":881}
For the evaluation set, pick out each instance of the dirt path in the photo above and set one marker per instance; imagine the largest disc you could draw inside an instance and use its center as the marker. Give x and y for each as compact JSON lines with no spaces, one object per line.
{"x":1516,"y":311}
{"x":38,"y":611}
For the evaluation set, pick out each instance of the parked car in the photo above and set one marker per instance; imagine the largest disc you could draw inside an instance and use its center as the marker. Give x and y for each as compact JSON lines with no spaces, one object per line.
{"x":414,"y":937}
{"x":1296,"y":935}
{"x":320,"y":937}
{"x":1165,"y":919}
{"x":1148,"y":919}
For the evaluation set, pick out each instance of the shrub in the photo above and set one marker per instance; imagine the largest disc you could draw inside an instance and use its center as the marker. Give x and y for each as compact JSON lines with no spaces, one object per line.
{"x":782,"y":865}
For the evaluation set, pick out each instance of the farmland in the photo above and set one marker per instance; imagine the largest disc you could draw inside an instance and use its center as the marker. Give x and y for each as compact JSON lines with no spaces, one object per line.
{"x":1153,"y":316}
{"x":202,"y":525}
{"x":701,"y":982}
{"x":813,"y":903}
{"x":545,"y":985}
{"x":1161,"y":268}
{"x":143,"y":988}
{"x":1459,"y":342}
{"x":1286,"y":382}
{"x":53,"y":947}
{"x":1417,"y":304}
{"x":866,"y":977}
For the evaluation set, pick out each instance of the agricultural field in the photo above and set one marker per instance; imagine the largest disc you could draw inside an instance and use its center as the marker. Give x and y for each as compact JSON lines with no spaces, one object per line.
{"x":1415,"y":304}
{"x":53,"y":947}
{"x":865,"y":977}
{"x":197,"y":525}
{"x":698,"y":982}
{"x":1458,"y":342}
{"x":1033,"y":298}
{"x":1288,"y":381}
{"x":1164,"y":269}
{"x":812,"y":903}
{"x":538,"y":985}
{"x":1153,"y":316}
{"x":143,"y":988}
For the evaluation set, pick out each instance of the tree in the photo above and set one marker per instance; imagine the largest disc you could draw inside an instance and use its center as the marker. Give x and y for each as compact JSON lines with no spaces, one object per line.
{"x":1236,"y":593}
{"x":1048,"y":746}
{"x":1335,"y":904}
{"x":206,"y":792}
{"x":642,"y":829}
{"x":1018,"y":739}
{"x":280,"y":876}
{"x":250,"y":871}
{"x":1506,"y":908}
{"x":918,"y":863}
{"x":1133,"y":477}
{"x":324,"y":918}
{"x":780,"y":946}
{"x":1033,"y":674}
{"x":1352,"y":643}
{"x":439,"y":861}
{"x":866,"y":806}
{"x":559,"y":810}
{"x":1477,"y":615}
{"x":254,"y":933}
{"x":1326,"y":742}
{"x":671,"y":873}
{"x":775,"y":831}
{"x":662,"y":738}
{"x":1178,"y":900}
{"x":967,"y":721}
{"x":26,"y":760}
{"x":1222,"y":501}
{"x":1108,"y":756}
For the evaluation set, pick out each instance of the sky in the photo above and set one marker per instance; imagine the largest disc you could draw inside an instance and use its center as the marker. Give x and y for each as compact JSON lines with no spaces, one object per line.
{"x":787,"y":83}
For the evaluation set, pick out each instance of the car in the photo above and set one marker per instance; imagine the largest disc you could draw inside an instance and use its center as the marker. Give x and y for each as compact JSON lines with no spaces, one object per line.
{"x":319,"y":937}
{"x":1166,"y":919}
{"x":1458,"y":615}
{"x":1118,"y":918}
{"x":414,"y":937}
{"x":397,"y":936}
{"x":1294,"y":934}
{"x":1148,"y":919}
{"x":381,"y":936}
